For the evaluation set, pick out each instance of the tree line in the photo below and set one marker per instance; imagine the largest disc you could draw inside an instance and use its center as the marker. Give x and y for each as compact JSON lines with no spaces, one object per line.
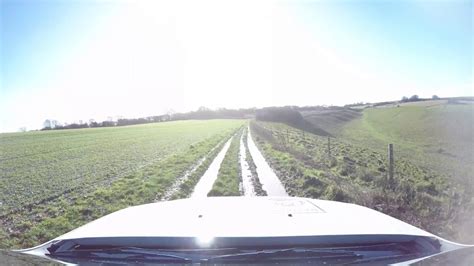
{"x":201,"y":113}
{"x":288,"y":114}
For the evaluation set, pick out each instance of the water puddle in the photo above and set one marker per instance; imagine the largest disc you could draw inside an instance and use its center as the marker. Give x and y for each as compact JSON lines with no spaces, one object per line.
{"x":247,"y":184}
{"x":179,"y":181}
{"x":207,"y":180}
{"x":270,"y":182}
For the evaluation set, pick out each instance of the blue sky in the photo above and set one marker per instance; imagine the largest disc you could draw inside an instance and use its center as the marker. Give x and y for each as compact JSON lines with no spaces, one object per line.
{"x":37,"y":35}
{"x":76,"y":60}
{"x":425,"y":39}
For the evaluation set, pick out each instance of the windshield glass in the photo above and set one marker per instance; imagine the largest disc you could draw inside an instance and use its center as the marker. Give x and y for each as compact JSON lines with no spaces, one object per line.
{"x":222,"y":252}
{"x":123,"y":118}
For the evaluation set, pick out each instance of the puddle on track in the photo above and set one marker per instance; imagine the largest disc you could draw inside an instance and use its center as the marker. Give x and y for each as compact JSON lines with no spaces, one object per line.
{"x":246,"y":174}
{"x":270,"y":182}
{"x":176,"y":186}
{"x":207,"y":180}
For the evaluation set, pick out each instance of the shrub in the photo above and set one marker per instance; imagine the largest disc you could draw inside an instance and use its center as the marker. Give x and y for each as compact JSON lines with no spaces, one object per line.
{"x":335,"y":193}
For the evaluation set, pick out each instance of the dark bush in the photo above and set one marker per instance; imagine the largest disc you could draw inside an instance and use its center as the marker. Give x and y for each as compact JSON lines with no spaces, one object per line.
{"x":335,"y":193}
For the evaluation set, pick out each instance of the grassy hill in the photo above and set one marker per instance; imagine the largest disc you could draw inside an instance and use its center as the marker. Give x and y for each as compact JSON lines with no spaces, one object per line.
{"x":434,"y":165}
{"x":435,"y":134}
{"x":331,"y":119}
{"x":357,"y":174}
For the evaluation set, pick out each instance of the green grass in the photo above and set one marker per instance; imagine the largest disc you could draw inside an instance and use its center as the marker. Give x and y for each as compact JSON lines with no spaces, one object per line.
{"x":358,"y":174}
{"x":331,"y":119}
{"x":38,"y":166}
{"x":257,"y":186}
{"x":433,"y":135}
{"x":436,"y":135}
{"x":229,"y":176}
{"x":180,"y":145}
{"x":187,"y":187}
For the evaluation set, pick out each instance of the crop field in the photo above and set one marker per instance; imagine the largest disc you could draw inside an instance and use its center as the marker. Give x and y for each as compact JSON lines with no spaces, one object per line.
{"x":358,"y":174}
{"x":54,"y":181}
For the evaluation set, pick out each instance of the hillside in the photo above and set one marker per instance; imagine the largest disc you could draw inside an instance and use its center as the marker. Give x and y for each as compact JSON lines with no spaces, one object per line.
{"x":433,"y":145}
{"x":436,"y":134}
{"x":331,"y":119}
{"x":353,"y":173}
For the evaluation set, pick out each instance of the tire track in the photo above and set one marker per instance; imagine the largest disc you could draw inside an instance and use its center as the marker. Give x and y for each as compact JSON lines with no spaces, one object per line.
{"x":171,"y":191}
{"x":206,"y":182}
{"x":270,"y":182}
{"x":247,"y":184}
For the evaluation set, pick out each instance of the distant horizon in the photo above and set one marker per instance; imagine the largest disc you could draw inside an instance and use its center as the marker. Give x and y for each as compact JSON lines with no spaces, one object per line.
{"x":77,"y":60}
{"x":114,"y":118}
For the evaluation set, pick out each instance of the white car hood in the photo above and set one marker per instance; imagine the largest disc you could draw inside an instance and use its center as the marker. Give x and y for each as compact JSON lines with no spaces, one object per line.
{"x":244,"y":217}
{"x":205,"y":219}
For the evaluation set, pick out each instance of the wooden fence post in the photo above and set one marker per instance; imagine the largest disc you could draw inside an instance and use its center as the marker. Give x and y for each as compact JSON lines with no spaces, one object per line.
{"x":390,"y":164}
{"x":329,"y":148}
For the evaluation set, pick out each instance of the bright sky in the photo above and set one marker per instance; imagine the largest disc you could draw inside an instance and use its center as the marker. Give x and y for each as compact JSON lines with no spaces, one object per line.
{"x":76,"y":60}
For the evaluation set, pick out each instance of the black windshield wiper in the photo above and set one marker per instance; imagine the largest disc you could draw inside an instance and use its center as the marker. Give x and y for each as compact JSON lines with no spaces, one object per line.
{"x":204,"y":256}
{"x":288,"y":254}
{"x":377,"y":252}
{"x":123,"y":254}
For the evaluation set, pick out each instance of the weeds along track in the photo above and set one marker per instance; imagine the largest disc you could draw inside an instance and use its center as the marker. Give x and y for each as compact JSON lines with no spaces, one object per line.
{"x":229,"y":179}
{"x":181,"y":187}
{"x":188,"y":186}
{"x":229,"y":176}
{"x":247,"y":185}
{"x":257,"y":186}
{"x":271,"y":183}
{"x":358,"y":175}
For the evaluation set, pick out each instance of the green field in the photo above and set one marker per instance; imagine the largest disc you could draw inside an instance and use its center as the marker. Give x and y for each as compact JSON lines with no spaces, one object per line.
{"x":358,"y":174}
{"x":434,"y":160}
{"x":54,"y":181}
{"x":436,"y":134}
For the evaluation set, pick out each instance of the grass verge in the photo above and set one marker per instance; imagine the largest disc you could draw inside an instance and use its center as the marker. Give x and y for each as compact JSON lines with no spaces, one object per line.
{"x":257,"y":186}
{"x":229,"y":177}
{"x":358,"y":175}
